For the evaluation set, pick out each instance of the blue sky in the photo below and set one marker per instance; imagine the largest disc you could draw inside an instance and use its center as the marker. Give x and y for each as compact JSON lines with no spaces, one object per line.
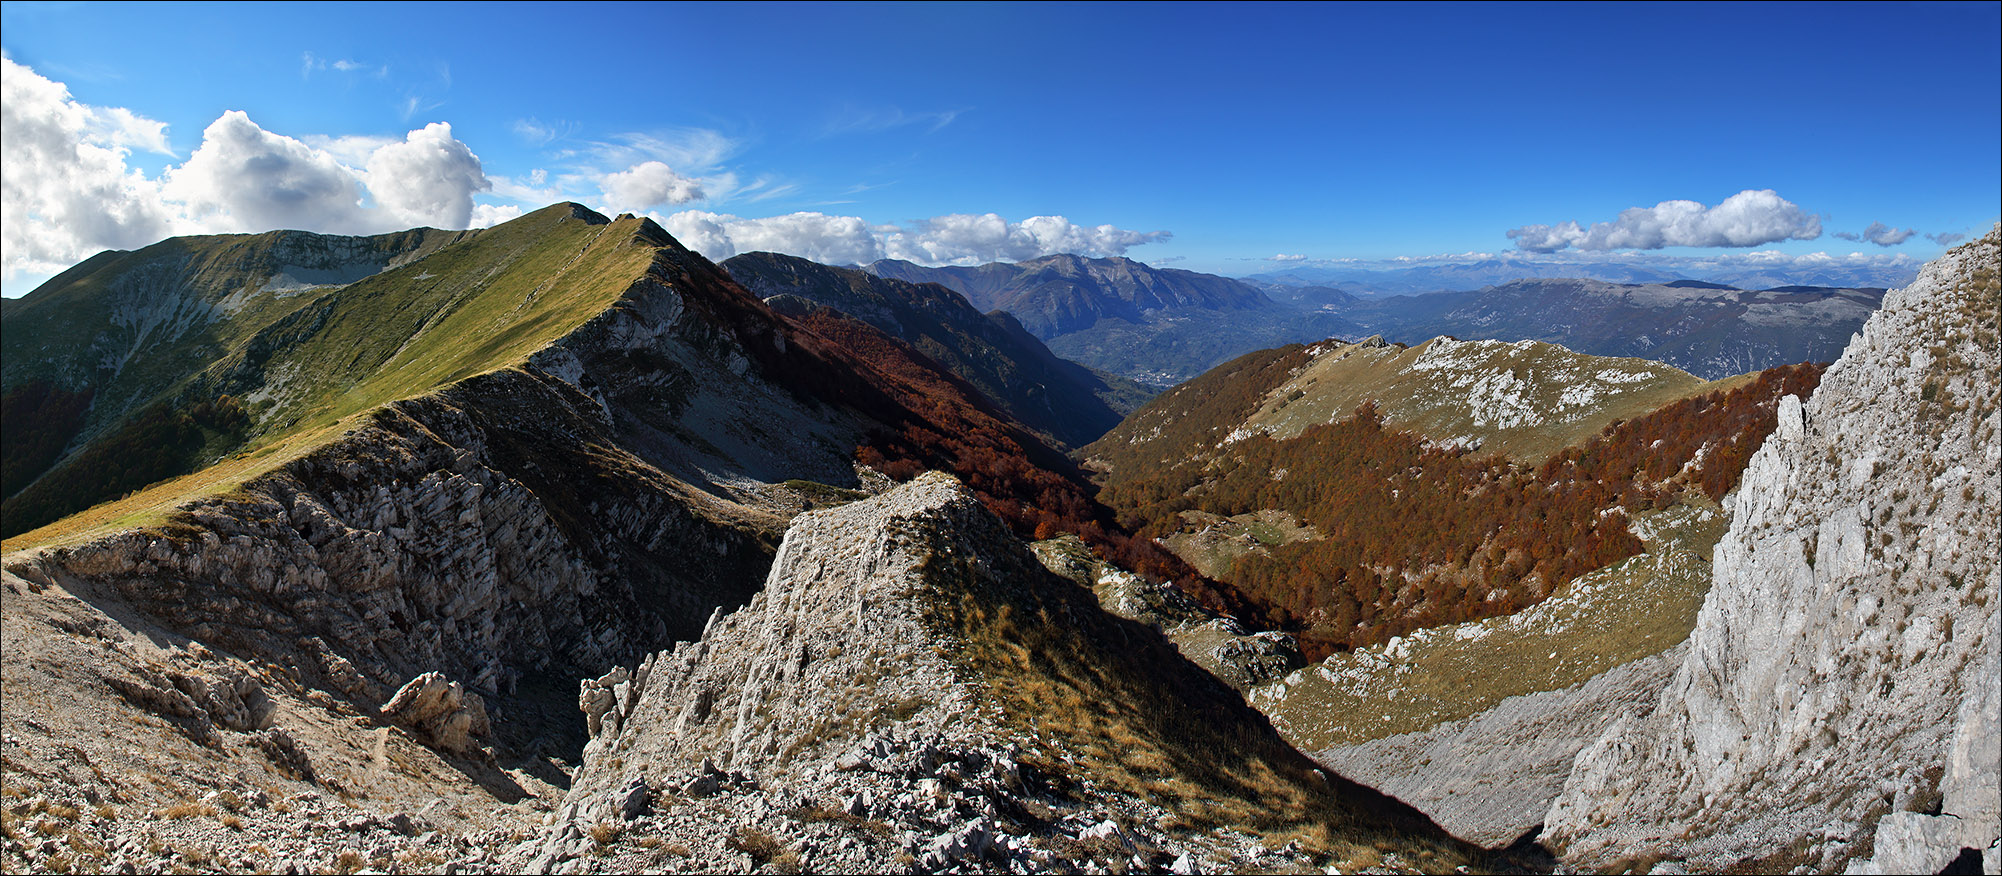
{"x":1242,"y":131}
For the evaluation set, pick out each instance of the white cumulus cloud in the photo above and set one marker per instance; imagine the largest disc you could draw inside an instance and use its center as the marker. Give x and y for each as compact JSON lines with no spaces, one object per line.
{"x":833,"y":240}
{"x":1749,"y":218}
{"x":647,"y":185}
{"x":489,"y":215}
{"x":428,"y":179}
{"x":244,"y":178}
{"x":1283,"y":257}
{"x":965,"y":239}
{"x":69,"y":191}
{"x":65,"y":189}
{"x":957,"y":239}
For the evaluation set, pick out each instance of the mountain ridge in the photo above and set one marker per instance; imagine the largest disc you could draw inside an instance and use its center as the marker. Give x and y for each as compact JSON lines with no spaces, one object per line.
{"x":1057,"y":398}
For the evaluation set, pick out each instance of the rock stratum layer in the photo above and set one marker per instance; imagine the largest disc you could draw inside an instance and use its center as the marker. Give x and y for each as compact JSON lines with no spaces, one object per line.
{"x":1837,"y":701}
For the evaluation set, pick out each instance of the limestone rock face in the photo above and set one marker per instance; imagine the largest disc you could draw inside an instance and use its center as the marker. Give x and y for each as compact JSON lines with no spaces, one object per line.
{"x":1236,"y":656}
{"x":1843,"y":650}
{"x":833,"y":640}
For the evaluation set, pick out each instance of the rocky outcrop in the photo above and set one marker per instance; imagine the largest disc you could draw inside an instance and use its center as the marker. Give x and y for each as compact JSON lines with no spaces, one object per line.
{"x":861,"y":714}
{"x":416,"y":544}
{"x":1238,"y":657}
{"x":445,"y":714}
{"x":1848,"y":643}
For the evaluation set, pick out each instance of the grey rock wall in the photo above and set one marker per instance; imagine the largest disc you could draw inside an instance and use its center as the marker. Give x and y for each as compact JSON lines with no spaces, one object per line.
{"x":1850,"y":628}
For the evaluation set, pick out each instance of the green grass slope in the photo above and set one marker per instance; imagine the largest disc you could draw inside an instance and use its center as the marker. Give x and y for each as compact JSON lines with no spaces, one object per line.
{"x":120,"y":331}
{"x":276,"y":371}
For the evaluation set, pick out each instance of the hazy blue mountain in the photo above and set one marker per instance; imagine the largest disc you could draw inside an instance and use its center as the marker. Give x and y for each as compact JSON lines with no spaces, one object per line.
{"x":1707,"y":329}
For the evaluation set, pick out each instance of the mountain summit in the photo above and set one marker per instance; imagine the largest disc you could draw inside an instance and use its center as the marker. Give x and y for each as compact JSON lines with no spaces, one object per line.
{"x":1061,"y":294}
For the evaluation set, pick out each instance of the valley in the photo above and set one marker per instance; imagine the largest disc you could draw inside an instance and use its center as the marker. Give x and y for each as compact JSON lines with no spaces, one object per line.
{"x":557,"y":547}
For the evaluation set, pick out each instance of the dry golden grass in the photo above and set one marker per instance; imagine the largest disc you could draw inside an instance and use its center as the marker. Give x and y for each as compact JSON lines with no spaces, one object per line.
{"x":189,"y":809}
{"x":821,"y":814}
{"x":765,"y":850}
{"x":348,"y":862}
{"x":1146,"y":722}
{"x":420,"y":860}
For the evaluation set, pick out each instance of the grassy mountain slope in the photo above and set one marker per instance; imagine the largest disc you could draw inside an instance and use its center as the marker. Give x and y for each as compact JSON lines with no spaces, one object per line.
{"x":301,"y":364}
{"x":698,"y":378}
{"x":1524,"y":400}
{"x":1061,"y":400}
{"x":125,"y":330}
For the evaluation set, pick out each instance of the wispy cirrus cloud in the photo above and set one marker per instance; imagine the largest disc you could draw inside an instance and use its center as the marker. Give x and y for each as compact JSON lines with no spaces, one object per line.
{"x":859,"y":120}
{"x":537,"y":133}
{"x":1946,"y":238}
{"x":1753,"y":217}
{"x":310,"y":63}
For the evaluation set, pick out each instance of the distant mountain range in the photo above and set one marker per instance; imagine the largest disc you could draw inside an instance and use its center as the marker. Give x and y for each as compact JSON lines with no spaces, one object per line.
{"x":1159,"y":326}
{"x":1062,"y":294}
{"x":1467,"y":276}
{"x":1164,"y":326}
{"x":1707,"y":329}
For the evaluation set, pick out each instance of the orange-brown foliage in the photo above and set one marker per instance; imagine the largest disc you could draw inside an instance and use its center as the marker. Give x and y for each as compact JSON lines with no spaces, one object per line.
{"x":935,"y":421}
{"x":1415,"y":535}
